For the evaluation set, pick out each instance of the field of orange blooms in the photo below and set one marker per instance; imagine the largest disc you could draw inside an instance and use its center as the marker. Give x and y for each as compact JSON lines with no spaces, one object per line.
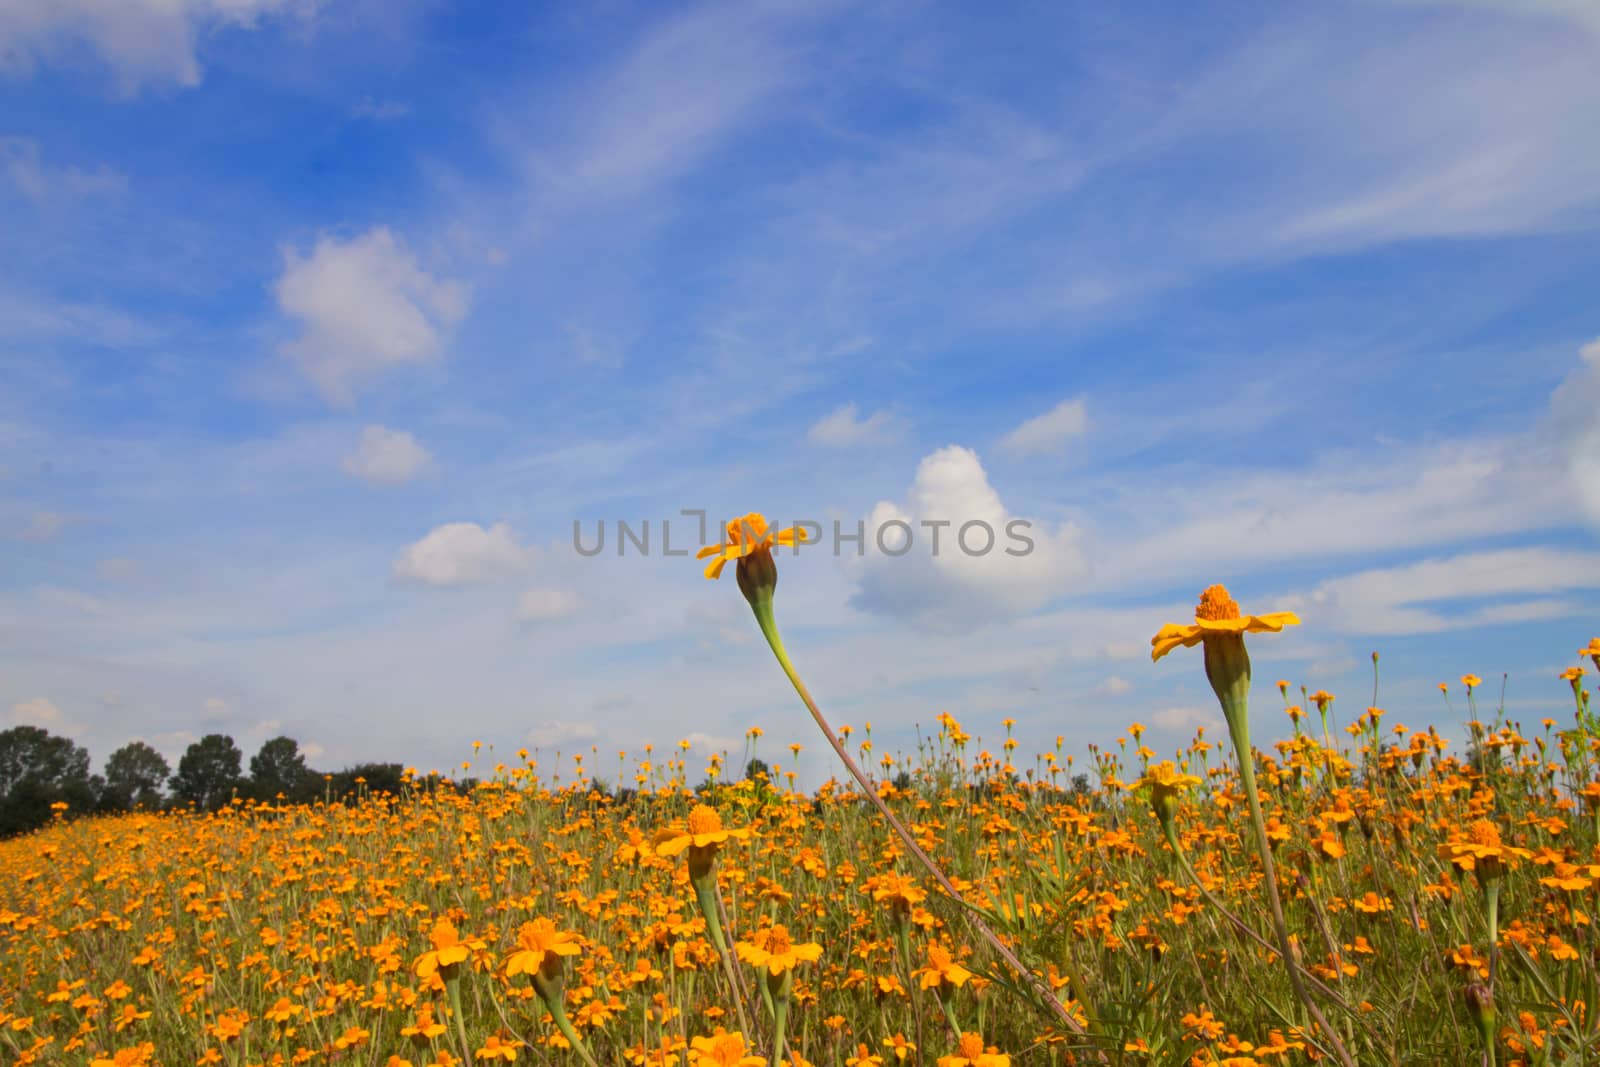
{"x":1438,"y":905}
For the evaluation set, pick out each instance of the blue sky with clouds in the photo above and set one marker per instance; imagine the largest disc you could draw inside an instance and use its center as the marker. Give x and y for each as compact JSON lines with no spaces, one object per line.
{"x":321,"y":323}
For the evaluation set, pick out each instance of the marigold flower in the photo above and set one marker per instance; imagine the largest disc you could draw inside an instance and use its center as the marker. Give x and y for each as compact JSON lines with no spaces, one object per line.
{"x":448,"y":949}
{"x":723,"y":1049}
{"x":942,"y":970}
{"x":1218,"y":613}
{"x":970,"y":1052}
{"x":749,"y":541}
{"x":772,"y":950}
{"x":703,"y":829}
{"x":540,"y":944}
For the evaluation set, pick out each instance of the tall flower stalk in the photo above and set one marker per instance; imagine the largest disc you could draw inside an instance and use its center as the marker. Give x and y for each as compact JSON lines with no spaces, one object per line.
{"x":749,"y":544}
{"x":1220,"y":628}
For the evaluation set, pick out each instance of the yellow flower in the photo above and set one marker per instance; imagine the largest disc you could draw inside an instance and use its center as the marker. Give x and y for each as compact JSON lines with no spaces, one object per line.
{"x":1480,"y":849}
{"x":1218,"y":613}
{"x":448,"y":949}
{"x":495,"y":1049}
{"x":1471,"y":681}
{"x":539,"y":943}
{"x":971,"y":1053}
{"x":772,"y":950}
{"x":749,"y":537}
{"x":1165,"y":784}
{"x":723,"y":1049}
{"x":942,"y":970}
{"x":1163,"y":779}
{"x":703,"y":829}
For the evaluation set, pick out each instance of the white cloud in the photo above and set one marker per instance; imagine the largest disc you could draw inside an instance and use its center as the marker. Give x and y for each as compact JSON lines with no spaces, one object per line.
{"x":844,"y":427}
{"x":1520,"y":585}
{"x":1188,"y":718}
{"x":141,"y":41}
{"x":45,"y":715}
{"x":42,"y":526}
{"x":1573,"y":408}
{"x":386,"y":457}
{"x":547,"y":605}
{"x":990,"y":572}
{"x":1213,"y":523}
{"x":463,"y":553}
{"x":118,"y":569}
{"x":1113,"y":686}
{"x":1048,"y":432}
{"x":559,"y":732}
{"x":22,"y":163}
{"x":380,"y":110}
{"x":365,"y":306}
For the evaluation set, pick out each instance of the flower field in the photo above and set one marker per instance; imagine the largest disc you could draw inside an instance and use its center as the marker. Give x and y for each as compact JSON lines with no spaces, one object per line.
{"x":440,"y":927}
{"x":1379,"y":900}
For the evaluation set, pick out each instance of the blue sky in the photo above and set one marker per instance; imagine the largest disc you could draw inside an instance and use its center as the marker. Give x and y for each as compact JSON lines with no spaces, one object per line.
{"x":322,"y":322}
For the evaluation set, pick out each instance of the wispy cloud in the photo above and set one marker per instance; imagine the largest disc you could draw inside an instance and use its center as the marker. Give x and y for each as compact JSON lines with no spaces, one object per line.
{"x":844,"y":427}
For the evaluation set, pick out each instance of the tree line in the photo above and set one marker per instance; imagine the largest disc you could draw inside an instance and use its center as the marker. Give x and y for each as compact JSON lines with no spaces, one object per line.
{"x":39,"y":770}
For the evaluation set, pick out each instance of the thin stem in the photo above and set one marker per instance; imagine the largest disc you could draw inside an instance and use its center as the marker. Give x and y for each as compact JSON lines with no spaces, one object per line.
{"x":1247,"y":776}
{"x":769,"y":629}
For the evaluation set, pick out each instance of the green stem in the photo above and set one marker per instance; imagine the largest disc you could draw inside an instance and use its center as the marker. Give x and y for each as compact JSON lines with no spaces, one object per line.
{"x":554,"y":1001}
{"x":705,"y":894}
{"x":762,"y":607}
{"x":452,"y":987}
{"x":1247,"y":777}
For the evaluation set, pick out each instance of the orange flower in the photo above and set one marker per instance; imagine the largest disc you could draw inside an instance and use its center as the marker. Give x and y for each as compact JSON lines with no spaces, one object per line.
{"x":723,"y":1049}
{"x":1218,"y":613}
{"x":942,"y":970}
{"x":772,"y":950}
{"x":448,"y":949}
{"x":703,"y":829}
{"x":1480,"y":849}
{"x":1471,"y":681}
{"x":539,"y":943}
{"x":495,"y":1049}
{"x":971,"y":1053}
{"x":749,"y":536}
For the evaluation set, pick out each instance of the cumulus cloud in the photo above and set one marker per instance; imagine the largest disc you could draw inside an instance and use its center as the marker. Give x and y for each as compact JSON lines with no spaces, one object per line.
{"x":45,"y":715}
{"x":463,"y":553}
{"x":546,"y":605}
{"x":386,"y":457}
{"x":142,"y":42}
{"x":365,"y":306}
{"x":844,"y":427}
{"x":1113,"y":686}
{"x":1573,"y":410}
{"x":1453,"y":593}
{"x":559,"y":732}
{"x":951,"y":557}
{"x":1048,"y":432}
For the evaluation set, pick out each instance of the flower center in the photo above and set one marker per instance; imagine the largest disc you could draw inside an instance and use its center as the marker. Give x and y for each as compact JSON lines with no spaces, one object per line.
{"x":971,"y":1046}
{"x":1483,"y":832}
{"x":704,"y":820}
{"x":778,"y":942}
{"x":1216,"y":604}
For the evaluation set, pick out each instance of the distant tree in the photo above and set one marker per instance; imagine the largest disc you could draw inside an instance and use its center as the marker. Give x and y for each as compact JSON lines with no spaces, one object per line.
{"x":280,"y":768}
{"x":38,"y":769}
{"x":134,"y":776}
{"x":757,"y":770}
{"x":208,"y":773}
{"x":375,"y":778}
{"x":903,"y":782}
